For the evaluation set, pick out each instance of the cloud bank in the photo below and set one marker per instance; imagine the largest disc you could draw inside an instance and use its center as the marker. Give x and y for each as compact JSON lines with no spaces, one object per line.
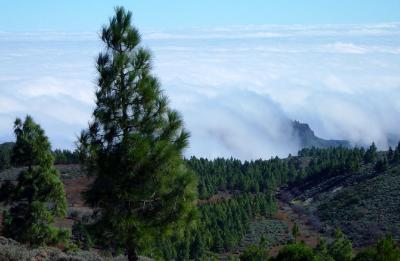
{"x":237,"y":87}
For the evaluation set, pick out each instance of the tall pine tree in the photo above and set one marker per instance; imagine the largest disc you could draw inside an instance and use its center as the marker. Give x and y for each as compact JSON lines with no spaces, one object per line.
{"x":39,"y":196}
{"x":134,"y":147}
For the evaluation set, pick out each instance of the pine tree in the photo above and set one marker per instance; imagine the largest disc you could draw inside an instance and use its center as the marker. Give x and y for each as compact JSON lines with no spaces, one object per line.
{"x":371,"y":154}
{"x":134,"y":147}
{"x":390,"y":154}
{"x":387,"y":250}
{"x":254,"y":253}
{"x":321,"y":249}
{"x":340,"y":249}
{"x":39,"y":196}
{"x":295,"y":231}
{"x":396,"y":154}
{"x":382,"y":164}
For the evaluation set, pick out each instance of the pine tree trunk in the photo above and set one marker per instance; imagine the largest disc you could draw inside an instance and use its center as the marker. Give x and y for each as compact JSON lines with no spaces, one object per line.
{"x":132,"y":255}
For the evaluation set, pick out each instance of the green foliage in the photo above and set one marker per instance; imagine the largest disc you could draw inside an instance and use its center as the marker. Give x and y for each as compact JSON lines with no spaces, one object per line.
{"x":385,"y":250}
{"x":226,"y":223}
{"x":134,"y":148}
{"x":371,"y":154}
{"x":81,"y":236}
{"x":358,"y":209}
{"x":66,"y":157}
{"x":340,"y":249}
{"x":295,"y":231}
{"x":267,"y":232}
{"x":259,"y":176}
{"x":60,"y":156}
{"x":331,"y":162}
{"x":39,"y":195}
{"x":367,"y":255}
{"x":381,"y":165}
{"x":321,"y":251}
{"x":295,"y":252}
{"x":254,"y":253}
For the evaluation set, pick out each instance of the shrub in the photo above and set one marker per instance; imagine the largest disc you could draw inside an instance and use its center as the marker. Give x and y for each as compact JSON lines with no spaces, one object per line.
{"x":254,"y":253}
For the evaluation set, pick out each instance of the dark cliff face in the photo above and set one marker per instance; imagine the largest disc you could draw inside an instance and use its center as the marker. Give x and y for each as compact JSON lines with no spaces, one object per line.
{"x":307,"y":138}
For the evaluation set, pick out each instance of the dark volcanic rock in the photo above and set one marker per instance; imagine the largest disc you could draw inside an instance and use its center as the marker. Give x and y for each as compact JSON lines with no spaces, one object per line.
{"x":307,"y":138}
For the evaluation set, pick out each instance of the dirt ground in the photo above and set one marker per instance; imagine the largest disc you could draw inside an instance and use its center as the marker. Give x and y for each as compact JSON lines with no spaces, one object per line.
{"x":74,"y":188}
{"x":307,"y":234}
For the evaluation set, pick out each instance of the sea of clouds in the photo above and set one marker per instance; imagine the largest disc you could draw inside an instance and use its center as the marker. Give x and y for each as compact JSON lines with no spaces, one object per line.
{"x":237,"y":87}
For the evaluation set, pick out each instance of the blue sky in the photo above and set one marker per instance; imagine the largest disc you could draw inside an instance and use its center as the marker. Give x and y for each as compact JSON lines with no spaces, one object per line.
{"x":238,"y":73}
{"x":78,"y":15}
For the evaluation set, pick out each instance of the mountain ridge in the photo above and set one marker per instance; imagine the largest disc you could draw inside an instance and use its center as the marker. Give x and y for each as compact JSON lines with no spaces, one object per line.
{"x":308,"y":139}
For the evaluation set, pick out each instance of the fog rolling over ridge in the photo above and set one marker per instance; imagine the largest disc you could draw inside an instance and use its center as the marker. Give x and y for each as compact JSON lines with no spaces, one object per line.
{"x":239,"y":88}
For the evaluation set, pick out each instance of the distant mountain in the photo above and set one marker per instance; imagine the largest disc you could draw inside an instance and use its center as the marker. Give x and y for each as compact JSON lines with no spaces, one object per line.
{"x":6,"y":147}
{"x":307,"y":137}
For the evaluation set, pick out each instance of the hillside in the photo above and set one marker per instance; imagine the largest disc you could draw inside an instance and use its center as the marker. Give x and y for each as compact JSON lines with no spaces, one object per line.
{"x":364,"y":204}
{"x":11,"y":250}
{"x":319,"y":190}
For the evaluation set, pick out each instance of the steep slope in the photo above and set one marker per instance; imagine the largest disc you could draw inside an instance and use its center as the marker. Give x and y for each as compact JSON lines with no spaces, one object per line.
{"x":364,"y":204}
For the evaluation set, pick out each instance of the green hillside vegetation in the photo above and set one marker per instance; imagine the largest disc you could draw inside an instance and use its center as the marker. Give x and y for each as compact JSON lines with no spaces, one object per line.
{"x":354,"y":190}
{"x":340,"y":249}
{"x":237,"y":200}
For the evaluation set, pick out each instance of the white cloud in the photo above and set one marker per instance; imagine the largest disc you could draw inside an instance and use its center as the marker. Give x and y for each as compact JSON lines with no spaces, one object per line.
{"x":8,"y":105}
{"x":76,"y":89}
{"x":347,"y":48}
{"x":237,"y":87}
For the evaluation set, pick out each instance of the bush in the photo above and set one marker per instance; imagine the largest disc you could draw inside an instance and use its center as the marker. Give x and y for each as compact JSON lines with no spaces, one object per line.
{"x":385,"y":250}
{"x":81,"y":236}
{"x":340,"y":249}
{"x":254,"y":253}
{"x":295,"y":252}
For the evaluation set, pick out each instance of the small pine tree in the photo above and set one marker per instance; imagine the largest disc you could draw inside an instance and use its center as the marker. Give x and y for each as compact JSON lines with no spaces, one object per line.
{"x":396,"y":154}
{"x":321,"y":251}
{"x":371,"y":154}
{"x":340,"y":249}
{"x":254,"y":253}
{"x":295,"y":252}
{"x":263,"y":241}
{"x":295,"y":231}
{"x":134,"y":147}
{"x":390,"y":154}
{"x":387,"y":250}
{"x":382,"y":165}
{"x":39,"y":196}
